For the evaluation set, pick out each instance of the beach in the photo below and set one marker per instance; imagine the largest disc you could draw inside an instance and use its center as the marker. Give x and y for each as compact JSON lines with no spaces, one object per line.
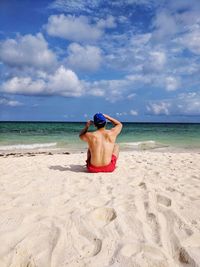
{"x":54,"y":213}
{"x":114,"y":84}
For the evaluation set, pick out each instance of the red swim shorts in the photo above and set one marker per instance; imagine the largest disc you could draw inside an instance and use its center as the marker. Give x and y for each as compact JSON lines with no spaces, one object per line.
{"x":107,"y":168}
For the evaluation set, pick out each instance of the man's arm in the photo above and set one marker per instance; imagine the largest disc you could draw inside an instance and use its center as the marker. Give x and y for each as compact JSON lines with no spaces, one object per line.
{"x":83,"y":133}
{"x":117,"y":124}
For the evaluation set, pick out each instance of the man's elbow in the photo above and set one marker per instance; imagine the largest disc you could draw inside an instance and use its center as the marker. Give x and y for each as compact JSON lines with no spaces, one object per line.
{"x":83,"y":137}
{"x":121,"y":125}
{"x":118,"y":123}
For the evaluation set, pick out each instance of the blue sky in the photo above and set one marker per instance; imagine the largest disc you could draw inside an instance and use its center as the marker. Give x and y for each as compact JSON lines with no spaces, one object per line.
{"x":64,"y":60}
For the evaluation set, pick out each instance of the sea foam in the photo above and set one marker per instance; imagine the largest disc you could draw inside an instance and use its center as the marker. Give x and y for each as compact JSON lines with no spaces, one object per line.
{"x":27,"y":146}
{"x":144,"y":145}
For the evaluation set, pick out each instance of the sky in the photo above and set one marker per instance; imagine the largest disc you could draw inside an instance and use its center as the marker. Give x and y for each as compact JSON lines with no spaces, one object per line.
{"x":65,"y":60}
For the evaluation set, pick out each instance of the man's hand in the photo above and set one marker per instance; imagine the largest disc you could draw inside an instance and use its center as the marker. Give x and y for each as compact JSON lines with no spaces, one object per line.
{"x":106,"y":116}
{"x":83,"y":133}
{"x":88,"y":123}
{"x":114,"y":121}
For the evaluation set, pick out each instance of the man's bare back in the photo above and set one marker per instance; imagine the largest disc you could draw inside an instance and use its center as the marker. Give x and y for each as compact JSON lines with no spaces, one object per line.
{"x":101,"y":142}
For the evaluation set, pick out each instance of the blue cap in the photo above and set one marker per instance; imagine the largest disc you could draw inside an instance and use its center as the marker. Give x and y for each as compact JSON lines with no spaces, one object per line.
{"x":99,"y":119}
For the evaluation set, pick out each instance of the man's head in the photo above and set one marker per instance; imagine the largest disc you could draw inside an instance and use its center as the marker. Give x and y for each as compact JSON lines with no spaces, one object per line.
{"x":99,"y":120}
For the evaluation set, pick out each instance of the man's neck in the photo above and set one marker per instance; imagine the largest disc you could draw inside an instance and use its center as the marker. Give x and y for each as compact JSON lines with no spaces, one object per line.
{"x":101,"y":129}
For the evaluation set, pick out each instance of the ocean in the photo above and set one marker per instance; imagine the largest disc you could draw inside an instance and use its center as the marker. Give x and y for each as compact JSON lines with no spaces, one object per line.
{"x":64,"y":135}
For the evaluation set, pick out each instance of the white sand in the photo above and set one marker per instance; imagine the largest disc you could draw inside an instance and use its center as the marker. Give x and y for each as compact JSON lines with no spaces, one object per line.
{"x":146,"y":213}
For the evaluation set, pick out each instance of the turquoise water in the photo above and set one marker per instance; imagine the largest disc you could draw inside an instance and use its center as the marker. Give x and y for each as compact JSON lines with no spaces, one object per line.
{"x":34,"y":135}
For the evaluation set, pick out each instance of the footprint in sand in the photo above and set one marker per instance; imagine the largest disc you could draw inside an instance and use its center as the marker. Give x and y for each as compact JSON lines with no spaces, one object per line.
{"x":155,"y":228}
{"x":184,"y":257}
{"x":88,"y":252}
{"x":144,"y":255}
{"x":189,"y":256}
{"x":170,"y":189}
{"x":143,"y":185}
{"x":163,"y":200}
{"x":21,"y":258}
{"x":86,"y":249}
{"x":103,"y":215}
{"x":154,"y":257}
{"x":194,"y":222}
{"x":182,"y":242}
{"x":130,"y":249}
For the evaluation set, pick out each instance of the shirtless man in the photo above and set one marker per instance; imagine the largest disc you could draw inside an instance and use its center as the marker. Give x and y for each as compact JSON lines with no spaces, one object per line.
{"x":102,"y":152}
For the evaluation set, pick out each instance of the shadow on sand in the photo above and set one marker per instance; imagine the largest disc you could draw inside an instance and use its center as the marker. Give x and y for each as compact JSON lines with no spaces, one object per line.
{"x":72,"y":168}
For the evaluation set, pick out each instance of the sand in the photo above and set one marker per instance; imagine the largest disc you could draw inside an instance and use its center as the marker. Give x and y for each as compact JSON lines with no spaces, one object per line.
{"x":54,"y":213}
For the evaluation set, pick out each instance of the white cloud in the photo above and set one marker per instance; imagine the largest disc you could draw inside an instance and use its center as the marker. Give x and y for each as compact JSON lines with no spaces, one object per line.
{"x":159,"y":58}
{"x":141,"y":39}
{"x":72,"y":28}
{"x":131,"y":96}
{"x":189,"y":103}
{"x":164,"y":24}
{"x":188,"y":67}
{"x":156,"y":61}
{"x":23,"y":85}
{"x":191,"y":39}
{"x":27,"y":51}
{"x":96,"y":92}
{"x":158,"y":108}
{"x":9,"y":102}
{"x":136,"y":54}
{"x":183,"y":104}
{"x":138,"y":78}
{"x":89,"y":6}
{"x":123,"y":3}
{"x":175,"y":18}
{"x":74,"y":5}
{"x":113,"y":90}
{"x":172,"y":83}
{"x":109,"y":22}
{"x":183,"y":4}
{"x":84,"y":57}
{"x":133,"y":112}
{"x":96,"y":88}
{"x":63,"y":82}
{"x":119,"y":114}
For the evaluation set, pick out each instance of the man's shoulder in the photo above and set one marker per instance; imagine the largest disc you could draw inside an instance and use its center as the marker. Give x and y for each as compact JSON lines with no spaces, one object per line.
{"x":111,"y":132}
{"x":91,"y":135}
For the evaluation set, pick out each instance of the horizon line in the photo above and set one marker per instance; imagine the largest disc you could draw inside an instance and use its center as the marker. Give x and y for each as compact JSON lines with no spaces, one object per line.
{"x":44,"y":121}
